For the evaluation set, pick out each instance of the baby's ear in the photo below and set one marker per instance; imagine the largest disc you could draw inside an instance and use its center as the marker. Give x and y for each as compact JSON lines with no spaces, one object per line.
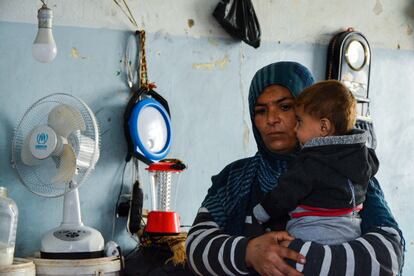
{"x":326,"y":127}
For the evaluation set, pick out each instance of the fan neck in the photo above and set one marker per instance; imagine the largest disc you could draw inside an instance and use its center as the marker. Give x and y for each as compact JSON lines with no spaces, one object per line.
{"x":71,"y":208}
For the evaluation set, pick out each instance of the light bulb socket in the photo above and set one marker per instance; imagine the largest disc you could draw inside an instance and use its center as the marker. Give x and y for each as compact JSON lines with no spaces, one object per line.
{"x":45,"y":15}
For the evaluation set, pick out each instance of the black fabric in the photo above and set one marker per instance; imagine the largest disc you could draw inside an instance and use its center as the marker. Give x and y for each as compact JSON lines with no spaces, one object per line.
{"x":319,"y":177}
{"x":363,"y":262}
{"x":151,"y":262}
{"x":384,"y":259}
{"x":253,"y":228}
{"x":338,"y":253}
{"x":239,"y":19}
{"x":72,"y":255}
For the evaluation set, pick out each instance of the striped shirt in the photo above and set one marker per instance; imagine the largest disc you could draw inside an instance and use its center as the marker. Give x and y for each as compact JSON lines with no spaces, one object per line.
{"x":210,"y":251}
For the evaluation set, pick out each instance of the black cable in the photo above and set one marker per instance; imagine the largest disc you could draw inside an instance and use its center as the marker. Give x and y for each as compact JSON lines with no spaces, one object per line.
{"x":117,"y":201}
{"x":122,"y":184}
{"x":135,"y":249}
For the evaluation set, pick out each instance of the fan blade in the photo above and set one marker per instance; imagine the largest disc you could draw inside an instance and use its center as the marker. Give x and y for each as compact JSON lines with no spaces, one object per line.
{"x":67,"y":167}
{"x":64,"y":120}
{"x":26,"y":155}
{"x":88,"y":153}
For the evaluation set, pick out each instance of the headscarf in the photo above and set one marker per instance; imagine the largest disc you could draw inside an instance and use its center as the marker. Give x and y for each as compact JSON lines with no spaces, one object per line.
{"x":228,"y":198}
{"x":292,"y":75}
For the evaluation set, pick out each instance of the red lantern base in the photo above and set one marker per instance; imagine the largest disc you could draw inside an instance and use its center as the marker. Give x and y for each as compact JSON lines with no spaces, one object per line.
{"x":163,"y":222}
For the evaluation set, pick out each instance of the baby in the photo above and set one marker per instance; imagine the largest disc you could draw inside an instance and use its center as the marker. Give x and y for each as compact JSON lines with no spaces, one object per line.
{"x":325,"y":186}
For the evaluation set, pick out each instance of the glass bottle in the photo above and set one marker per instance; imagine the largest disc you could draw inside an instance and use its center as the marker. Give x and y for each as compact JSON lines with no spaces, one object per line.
{"x":8,"y":226}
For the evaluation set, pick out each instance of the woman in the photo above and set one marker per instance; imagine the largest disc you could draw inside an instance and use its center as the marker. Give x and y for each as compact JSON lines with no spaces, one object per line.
{"x":226,"y":240}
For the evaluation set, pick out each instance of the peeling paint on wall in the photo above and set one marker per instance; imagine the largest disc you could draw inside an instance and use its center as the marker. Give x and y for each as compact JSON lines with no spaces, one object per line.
{"x":378,"y":7}
{"x":205,"y":66}
{"x":163,"y":34}
{"x":74,"y":53}
{"x":409,"y":29}
{"x":221,"y":64}
{"x":213,"y":41}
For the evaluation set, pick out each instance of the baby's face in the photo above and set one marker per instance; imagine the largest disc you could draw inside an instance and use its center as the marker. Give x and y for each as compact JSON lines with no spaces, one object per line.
{"x":307,"y":127}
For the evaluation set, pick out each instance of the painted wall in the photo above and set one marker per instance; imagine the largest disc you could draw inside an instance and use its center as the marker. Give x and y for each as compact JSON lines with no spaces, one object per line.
{"x":205,"y":77}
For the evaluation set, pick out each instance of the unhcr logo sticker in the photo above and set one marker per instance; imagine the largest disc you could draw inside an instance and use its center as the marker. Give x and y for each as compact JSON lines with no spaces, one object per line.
{"x":41,"y":140}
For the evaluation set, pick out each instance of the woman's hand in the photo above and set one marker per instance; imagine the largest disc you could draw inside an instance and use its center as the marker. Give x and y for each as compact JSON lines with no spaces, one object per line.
{"x":265,"y":254}
{"x":285,"y":243}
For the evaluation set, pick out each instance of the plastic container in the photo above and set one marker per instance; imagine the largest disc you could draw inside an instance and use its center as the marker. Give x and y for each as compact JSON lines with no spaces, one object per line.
{"x":107,"y":266}
{"x":20,"y":267}
{"x":8,"y":226}
{"x":161,"y":219}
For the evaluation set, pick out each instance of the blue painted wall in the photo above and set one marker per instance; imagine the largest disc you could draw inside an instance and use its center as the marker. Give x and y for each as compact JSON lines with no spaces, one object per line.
{"x":206,"y":82}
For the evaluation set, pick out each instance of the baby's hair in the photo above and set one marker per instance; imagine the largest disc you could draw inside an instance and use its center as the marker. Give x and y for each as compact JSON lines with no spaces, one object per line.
{"x":332,"y":100}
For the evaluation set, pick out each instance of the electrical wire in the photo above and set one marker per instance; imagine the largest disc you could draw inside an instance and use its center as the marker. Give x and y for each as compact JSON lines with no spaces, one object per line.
{"x":116,"y":210}
{"x":135,"y":249}
{"x":117,"y":201}
{"x":127,"y":13}
{"x":135,"y":177}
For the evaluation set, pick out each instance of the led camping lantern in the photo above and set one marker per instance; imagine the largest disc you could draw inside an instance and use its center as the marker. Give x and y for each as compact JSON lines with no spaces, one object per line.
{"x":147,"y":127}
{"x":161,"y":219}
{"x":150,"y":126}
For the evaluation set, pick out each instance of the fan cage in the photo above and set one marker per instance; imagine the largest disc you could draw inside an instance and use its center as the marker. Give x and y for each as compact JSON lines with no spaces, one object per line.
{"x":38,"y":179}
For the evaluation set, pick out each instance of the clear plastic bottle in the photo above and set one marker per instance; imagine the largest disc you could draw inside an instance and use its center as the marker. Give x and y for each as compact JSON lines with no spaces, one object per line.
{"x":8,"y":226}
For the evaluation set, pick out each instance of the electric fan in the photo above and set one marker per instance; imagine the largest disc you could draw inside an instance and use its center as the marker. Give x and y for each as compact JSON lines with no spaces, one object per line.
{"x":54,"y":149}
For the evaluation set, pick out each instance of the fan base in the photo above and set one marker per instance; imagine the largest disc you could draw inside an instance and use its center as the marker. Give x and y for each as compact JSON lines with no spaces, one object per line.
{"x":72,"y":256}
{"x":74,"y":240}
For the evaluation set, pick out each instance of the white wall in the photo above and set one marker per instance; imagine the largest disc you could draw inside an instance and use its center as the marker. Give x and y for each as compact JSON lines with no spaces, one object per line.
{"x":386,"y":23}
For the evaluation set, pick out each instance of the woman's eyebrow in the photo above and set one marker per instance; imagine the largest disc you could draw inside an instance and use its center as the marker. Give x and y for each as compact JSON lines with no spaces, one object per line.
{"x":275,"y":101}
{"x":283,"y":99}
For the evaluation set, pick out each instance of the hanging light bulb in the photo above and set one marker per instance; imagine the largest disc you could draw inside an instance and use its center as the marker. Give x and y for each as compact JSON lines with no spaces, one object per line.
{"x":44,"y":47}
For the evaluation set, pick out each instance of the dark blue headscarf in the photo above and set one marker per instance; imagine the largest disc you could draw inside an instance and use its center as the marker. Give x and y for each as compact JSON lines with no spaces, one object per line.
{"x":292,"y":75}
{"x":228,"y":198}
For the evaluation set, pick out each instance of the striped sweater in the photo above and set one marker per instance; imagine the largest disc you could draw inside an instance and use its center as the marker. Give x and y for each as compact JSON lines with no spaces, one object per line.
{"x":210,"y":251}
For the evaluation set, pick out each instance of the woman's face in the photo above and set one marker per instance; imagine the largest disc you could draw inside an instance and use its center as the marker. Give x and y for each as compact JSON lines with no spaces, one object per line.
{"x":274,"y":117}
